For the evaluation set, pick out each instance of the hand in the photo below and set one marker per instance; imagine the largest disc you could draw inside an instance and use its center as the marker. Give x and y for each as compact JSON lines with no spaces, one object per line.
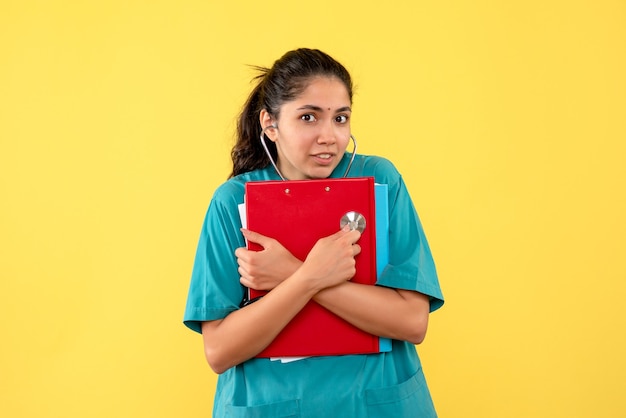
{"x":264,"y":270}
{"x":331,"y":260}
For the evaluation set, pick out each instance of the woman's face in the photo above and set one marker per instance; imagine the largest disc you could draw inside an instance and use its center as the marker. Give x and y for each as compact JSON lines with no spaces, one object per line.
{"x":313,"y":130}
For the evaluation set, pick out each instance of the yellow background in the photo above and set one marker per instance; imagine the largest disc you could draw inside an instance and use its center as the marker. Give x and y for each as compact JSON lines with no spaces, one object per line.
{"x":507,"y":120}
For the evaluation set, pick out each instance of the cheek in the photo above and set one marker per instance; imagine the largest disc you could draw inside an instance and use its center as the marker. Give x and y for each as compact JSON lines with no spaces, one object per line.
{"x":345,"y":141}
{"x":295,"y":140}
{"x":344,"y":132}
{"x":291,"y":147}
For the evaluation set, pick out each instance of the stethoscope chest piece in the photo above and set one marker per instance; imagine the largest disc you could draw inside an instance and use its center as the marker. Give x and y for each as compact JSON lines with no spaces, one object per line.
{"x":354,"y":220}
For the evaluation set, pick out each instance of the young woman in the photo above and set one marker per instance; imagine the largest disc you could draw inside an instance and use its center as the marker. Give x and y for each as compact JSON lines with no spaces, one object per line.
{"x":301,"y":107}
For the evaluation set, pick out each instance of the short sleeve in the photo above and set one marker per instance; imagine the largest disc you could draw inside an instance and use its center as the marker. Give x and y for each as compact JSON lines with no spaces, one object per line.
{"x":411,"y":265}
{"x":215,"y":290}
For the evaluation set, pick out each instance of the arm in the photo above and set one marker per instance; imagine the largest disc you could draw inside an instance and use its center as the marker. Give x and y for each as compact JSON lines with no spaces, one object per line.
{"x":245,"y":332}
{"x":386,"y":312}
{"x":383,"y":310}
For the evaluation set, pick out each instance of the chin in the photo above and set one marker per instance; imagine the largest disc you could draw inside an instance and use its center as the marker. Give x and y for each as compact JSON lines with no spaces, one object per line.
{"x":320,"y":174}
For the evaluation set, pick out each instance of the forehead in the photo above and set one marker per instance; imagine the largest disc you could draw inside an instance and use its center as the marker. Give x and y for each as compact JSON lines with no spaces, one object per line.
{"x":322,"y":92}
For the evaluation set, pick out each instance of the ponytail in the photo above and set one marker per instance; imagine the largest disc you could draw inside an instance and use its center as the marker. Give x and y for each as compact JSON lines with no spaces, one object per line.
{"x":248,"y":153}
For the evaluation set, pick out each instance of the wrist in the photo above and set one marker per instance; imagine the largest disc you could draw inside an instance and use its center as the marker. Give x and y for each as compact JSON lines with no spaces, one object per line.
{"x":310,"y":283}
{"x":293,"y":265}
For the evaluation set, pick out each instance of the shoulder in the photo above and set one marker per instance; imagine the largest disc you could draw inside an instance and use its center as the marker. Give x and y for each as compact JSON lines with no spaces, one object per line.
{"x":233,"y":189}
{"x":380,"y":168}
{"x":229,"y":193}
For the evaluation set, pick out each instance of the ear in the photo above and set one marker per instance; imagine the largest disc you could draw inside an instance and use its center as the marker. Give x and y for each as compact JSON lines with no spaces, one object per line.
{"x":267,"y":121}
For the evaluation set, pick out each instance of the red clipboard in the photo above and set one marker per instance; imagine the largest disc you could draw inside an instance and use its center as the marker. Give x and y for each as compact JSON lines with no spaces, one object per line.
{"x":298,"y":213}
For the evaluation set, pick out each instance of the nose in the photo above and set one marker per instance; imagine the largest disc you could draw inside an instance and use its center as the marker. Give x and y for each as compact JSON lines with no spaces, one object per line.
{"x":327,"y":134}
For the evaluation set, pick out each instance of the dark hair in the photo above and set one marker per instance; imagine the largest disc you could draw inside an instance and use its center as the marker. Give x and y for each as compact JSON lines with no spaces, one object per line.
{"x":287,"y":78}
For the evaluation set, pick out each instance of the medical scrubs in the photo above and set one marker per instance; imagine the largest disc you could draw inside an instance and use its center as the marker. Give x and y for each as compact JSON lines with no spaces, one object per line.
{"x":388,"y":384}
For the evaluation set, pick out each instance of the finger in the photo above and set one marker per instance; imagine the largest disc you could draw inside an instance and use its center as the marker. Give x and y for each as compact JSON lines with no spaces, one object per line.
{"x":244,"y":256}
{"x":241,"y":270}
{"x":342,"y":232}
{"x":241,"y":252}
{"x":244,"y":275}
{"x":245,"y":282}
{"x":356,"y":249}
{"x":352,"y":236}
{"x":257,"y":238}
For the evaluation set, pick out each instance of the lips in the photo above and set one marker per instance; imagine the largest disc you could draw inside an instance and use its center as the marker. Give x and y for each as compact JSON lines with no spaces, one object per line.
{"x":323,"y":158}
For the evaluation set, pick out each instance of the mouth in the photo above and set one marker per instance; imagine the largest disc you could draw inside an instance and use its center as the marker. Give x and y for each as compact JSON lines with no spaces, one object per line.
{"x":323,"y":158}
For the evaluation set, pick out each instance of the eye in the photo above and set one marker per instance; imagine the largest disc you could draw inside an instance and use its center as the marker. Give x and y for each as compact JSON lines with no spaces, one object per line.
{"x":308,"y":117}
{"x":341,"y":119}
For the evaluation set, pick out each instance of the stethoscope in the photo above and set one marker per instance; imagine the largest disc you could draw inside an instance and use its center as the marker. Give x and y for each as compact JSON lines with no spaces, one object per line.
{"x":269,"y":155}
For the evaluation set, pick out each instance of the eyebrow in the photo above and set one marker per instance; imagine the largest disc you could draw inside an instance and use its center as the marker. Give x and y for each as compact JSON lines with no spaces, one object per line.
{"x":319,"y":109}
